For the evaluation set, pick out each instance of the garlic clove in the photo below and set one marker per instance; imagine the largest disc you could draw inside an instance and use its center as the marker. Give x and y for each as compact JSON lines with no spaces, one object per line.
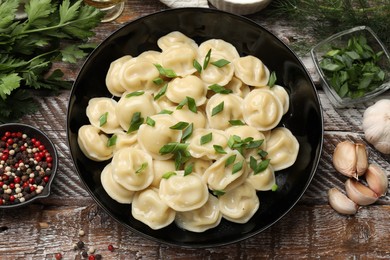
{"x":359,"y":193}
{"x":377,"y":179}
{"x":345,"y":159}
{"x":341,"y":203}
{"x":362,"y":159}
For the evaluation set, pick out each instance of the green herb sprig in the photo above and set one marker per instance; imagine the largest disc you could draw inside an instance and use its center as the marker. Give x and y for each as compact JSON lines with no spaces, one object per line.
{"x":28,"y":49}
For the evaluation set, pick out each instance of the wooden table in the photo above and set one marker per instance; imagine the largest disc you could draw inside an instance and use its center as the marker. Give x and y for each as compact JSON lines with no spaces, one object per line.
{"x":311,"y":230}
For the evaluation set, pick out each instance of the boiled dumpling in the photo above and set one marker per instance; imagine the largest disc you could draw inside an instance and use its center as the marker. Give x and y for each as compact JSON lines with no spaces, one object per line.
{"x":124,"y":140}
{"x":252,"y":71}
{"x":113,"y":76}
{"x":160,"y":167}
{"x":153,"y":138}
{"x":282,"y":148}
{"x":188,"y":86}
{"x":199,"y":149}
{"x":101,"y":114}
{"x":129,"y":105}
{"x":283,"y":96}
{"x":262,"y":109}
{"x":114,"y":189}
{"x":217,"y":75}
{"x":240,"y":204}
{"x":202,"y":219}
{"x":93,"y":143}
{"x":183,"y":192}
{"x":175,"y":38}
{"x":264,"y":180}
{"x":238,"y":87}
{"x":220,"y":47}
{"x":185,"y":115}
{"x":132,"y":168}
{"x":152,"y":56}
{"x":224,"y":175}
{"x":179,"y":59}
{"x":232,"y":110}
{"x":148,"y":208}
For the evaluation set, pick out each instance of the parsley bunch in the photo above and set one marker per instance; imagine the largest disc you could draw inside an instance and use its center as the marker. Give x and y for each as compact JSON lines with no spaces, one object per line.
{"x":28,"y":47}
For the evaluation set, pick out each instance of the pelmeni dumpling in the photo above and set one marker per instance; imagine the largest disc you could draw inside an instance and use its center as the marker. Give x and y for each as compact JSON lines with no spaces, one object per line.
{"x":240,"y":204}
{"x":183,"y":193}
{"x":101,"y":114}
{"x":153,"y":138}
{"x":191,"y":86}
{"x":252,"y":71}
{"x":238,"y":87}
{"x":232,"y":110}
{"x":227,"y":172}
{"x":139,"y":75}
{"x":199,"y":165}
{"x":152,"y":56}
{"x":264,"y":180}
{"x":179,"y":59}
{"x":199,"y":149}
{"x":132,"y":168}
{"x":185,"y":115}
{"x":124,"y":140}
{"x":129,"y":105}
{"x":148,"y":208}
{"x":262,"y":109}
{"x":93,"y":143}
{"x":160,"y":167}
{"x":114,"y":75}
{"x":202,"y":219}
{"x":217,"y":75}
{"x":282,"y":148}
{"x":114,"y":189}
{"x":283,"y":96}
{"x":220,"y":47}
{"x":175,"y":38}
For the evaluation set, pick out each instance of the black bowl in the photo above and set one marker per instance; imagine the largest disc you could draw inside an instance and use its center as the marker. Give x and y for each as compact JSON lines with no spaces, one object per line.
{"x":38,"y":134}
{"x":304,"y":117}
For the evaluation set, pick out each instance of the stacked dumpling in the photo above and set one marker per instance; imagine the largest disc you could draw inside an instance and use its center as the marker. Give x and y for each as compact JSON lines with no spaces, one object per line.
{"x":190,"y":134}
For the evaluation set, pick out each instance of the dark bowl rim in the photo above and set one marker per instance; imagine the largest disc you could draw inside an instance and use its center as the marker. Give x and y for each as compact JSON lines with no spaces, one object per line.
{"x":47,"y":189}
{"x":200,"y":245}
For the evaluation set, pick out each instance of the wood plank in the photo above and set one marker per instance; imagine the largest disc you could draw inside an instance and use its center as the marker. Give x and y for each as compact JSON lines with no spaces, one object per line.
{"x":305,"y":232}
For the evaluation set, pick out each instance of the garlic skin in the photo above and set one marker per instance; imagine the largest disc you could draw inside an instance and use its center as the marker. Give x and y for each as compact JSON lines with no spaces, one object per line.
{"x":341,"y":203}
{"x":350,"y":159}
{"x":377,"y":180}
{"x":359,"y":193}
{"x":376,"y":125}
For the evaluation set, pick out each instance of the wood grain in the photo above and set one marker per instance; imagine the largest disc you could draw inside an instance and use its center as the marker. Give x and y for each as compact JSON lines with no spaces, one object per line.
{"x":310,"y":230}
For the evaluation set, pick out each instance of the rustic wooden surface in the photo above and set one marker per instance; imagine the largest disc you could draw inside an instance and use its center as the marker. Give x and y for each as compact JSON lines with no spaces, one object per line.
{"x":311,"y":230}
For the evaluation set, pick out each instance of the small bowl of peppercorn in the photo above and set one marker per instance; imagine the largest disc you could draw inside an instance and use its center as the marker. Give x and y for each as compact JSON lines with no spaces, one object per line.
{"x":28,"y":164}
{"x":353,"y":65}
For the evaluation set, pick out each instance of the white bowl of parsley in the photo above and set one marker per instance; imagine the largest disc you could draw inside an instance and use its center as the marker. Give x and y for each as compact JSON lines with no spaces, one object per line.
{"x":354,"y":66}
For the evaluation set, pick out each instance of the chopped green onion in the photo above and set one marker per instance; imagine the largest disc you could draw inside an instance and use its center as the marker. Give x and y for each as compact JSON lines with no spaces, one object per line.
{"x":218,"y":192}
{"x":169,"y":73}
{"x":197,"y":66}
{"x":161,"y":92}
{"x":236,"y":122}
{"x":150,"y":121}
{"x":142,"y":168}
{"x":220,"y":63}
{"x":237,"y":167}
{"x":219,"y":89}
{"x":166,"y":111}
{"x":217,"y":109}
{"x":190,"y":102}
{"x":187,"y":132}
{"x":262,"y":153}
{"x":206,"y":138}
{"x":179,"y":126}
{"x":112,"y":140}
{"x":219,"y":149}
{"x":172,"y":148}
{"x":272,"y":79}
{"x":168,"y":175}
{"x":158,"y":81}
{"x":230,"y":160}
{"x":103,"y":119}
{"x":136,"y":122}
{"x":135,"y":94}
{"x":188,"y":169}
{"x":274,"y":187}
{"x":207,"y":59}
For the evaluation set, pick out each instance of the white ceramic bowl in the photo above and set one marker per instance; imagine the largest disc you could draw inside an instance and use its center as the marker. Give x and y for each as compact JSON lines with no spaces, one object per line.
{"x":241,"y":7}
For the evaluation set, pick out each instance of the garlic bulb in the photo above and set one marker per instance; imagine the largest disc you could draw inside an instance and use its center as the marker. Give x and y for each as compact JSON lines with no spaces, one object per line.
{"x":376,"y":125}
{"x":350,"y":159}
